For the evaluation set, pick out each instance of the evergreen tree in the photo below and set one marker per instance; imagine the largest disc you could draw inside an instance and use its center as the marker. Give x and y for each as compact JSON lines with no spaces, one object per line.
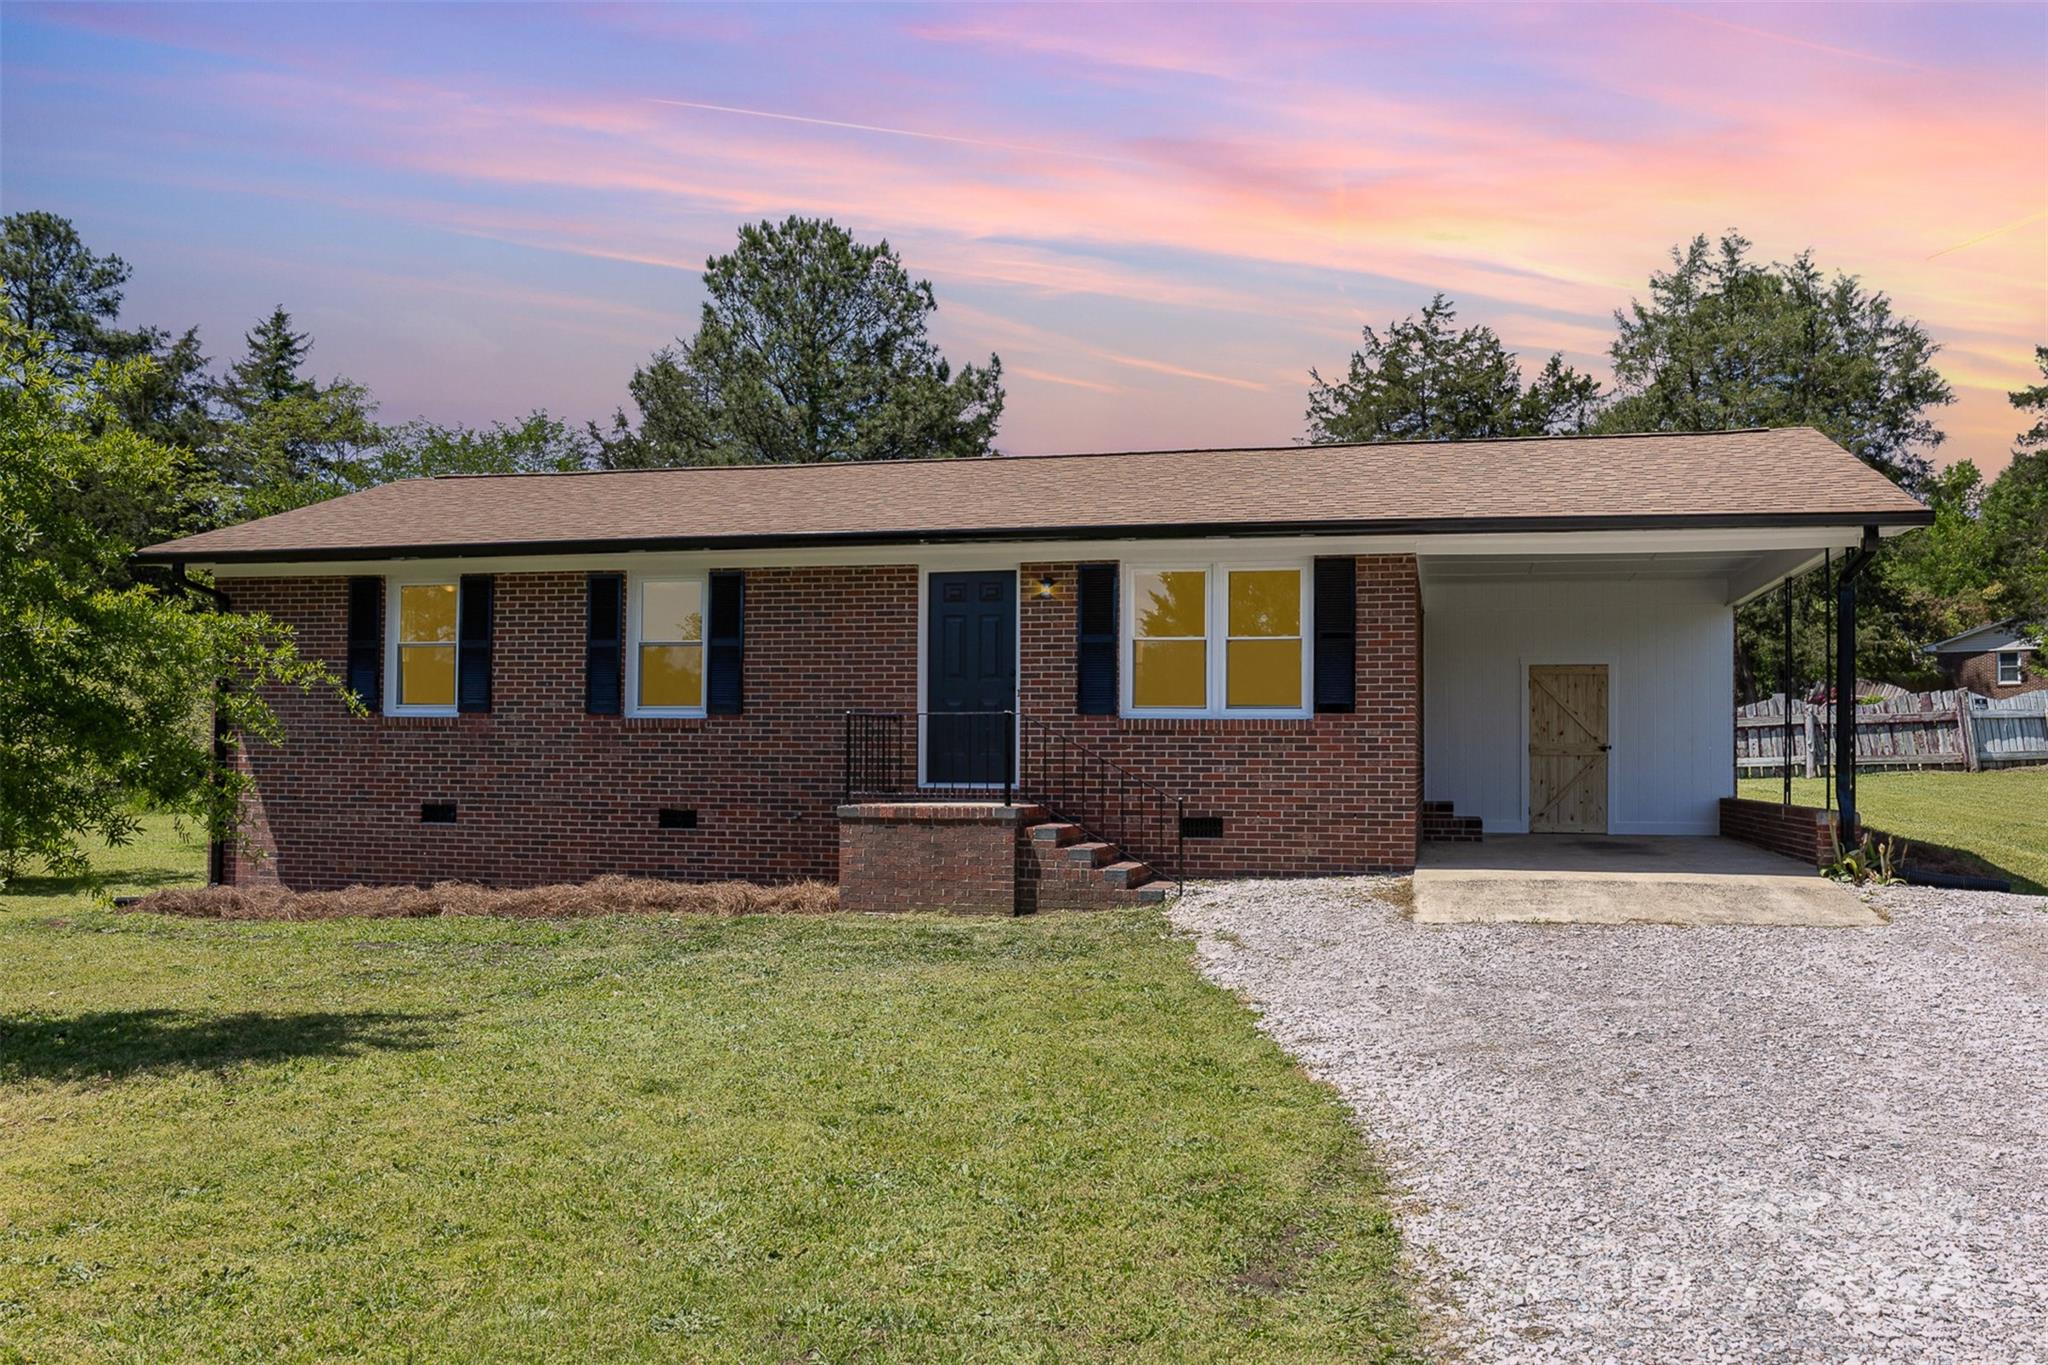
{"x":812,"y":346}
{"x":1725,"y":342}
{"x":1424,"y":380}
{"x":63,"y":297}
{"x":269,"y":370}
{"x":286,"y":439}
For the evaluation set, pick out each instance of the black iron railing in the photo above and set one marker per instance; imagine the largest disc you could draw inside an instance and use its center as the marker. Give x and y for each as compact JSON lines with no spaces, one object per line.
{"x":1106,"y":800}
{"x":929,"y":755}
{"x":988,"y":755}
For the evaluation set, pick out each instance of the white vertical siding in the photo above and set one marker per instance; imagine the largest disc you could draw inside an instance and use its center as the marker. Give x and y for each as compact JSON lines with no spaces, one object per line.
{"x":1669,"y":650}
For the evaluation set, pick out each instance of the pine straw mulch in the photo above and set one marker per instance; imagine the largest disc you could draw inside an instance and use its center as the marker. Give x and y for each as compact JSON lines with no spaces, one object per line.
{"x":603,"y":896}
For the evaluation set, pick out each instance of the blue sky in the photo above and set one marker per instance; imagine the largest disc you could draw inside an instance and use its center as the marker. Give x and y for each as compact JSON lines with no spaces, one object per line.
{"x":1159,"y":218}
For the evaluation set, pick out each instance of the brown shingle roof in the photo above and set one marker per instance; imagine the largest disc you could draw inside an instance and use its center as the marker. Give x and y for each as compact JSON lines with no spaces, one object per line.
{"x":1788,"y":476}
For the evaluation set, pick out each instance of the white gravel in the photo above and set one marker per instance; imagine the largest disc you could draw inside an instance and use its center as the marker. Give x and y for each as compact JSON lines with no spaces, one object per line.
{"x":1640,"y":1142}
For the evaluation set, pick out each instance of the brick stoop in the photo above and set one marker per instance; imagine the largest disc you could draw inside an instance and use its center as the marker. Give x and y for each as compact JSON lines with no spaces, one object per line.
{"x":1066,"y":870}
{"x":1441,"y":824}
{"x":977,"y":857}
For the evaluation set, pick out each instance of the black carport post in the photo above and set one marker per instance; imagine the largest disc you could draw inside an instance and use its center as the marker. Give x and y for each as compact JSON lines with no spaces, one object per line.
{"x":1845,"y":682}
{"x":1785,"y":685}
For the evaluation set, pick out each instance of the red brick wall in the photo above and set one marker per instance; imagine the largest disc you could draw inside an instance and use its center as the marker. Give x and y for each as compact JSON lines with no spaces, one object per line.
{"x":930,"y":856}
{"x":1979,"y":673}
{"x":1324,"y":794}
{"x":1802,"y":832}
{"x":547,"y":793}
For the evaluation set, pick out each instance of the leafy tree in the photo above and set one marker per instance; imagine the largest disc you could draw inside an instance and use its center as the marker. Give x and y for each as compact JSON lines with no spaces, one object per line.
{"x":1725,"y":342}
{"x":538,"y":444}
{"x":62,"y":296}
{"x":99,"y":674}
{"x":2015,"y":511}
{"x":1426,"y":381}
{"x":812,"y":346}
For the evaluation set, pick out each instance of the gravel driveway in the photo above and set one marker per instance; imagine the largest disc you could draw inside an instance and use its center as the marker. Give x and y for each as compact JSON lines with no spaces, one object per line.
{"x":1656,"y":1143}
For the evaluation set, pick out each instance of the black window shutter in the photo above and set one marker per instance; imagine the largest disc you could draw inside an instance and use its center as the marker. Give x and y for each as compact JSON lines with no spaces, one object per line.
{"x":1336,"y":607}
{"x":366,"y":640}
{"x":604,"y":648}
{"x":1096,"y":646}
{"x":473,"y":645}
{"x":725,"y":644}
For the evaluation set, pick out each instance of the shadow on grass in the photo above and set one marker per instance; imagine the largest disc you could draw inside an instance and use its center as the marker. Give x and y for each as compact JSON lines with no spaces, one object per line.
{"x":125,"y":880}
{"x":117,"y":1043}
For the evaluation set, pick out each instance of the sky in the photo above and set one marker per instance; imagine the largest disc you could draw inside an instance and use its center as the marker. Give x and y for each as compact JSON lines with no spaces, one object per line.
{"x":1161,"y":219}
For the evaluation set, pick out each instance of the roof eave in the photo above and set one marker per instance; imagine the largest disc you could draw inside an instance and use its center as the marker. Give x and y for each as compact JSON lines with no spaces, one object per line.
{"x":183,"y":552}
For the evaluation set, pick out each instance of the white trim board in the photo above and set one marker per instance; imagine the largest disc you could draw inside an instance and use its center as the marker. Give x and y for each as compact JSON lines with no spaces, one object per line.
{"x":1001,"y":554}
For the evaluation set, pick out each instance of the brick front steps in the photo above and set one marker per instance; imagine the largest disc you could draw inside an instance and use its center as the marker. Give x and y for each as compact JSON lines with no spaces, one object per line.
{"x":971,"y":857}
{"x":1070,"y":871}
{"x":1443,"y":825}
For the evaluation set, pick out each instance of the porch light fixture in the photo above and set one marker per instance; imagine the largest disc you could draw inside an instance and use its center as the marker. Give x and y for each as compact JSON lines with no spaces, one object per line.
{"x":1046,"y":588}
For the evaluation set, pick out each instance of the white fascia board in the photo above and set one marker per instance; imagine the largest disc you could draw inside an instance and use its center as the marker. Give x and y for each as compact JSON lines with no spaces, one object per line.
{"x":998,"y":554}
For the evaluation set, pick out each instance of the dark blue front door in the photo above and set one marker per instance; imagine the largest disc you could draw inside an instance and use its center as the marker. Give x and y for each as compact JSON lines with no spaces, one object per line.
{"x":970,"y":677}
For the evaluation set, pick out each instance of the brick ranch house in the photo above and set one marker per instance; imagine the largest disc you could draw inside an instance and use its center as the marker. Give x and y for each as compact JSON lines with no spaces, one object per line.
{"x":1021,"y":681}
{"x":2001,"y":659}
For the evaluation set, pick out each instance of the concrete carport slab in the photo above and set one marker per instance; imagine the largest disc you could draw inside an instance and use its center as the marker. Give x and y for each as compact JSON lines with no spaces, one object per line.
{"x":1611,"y":879}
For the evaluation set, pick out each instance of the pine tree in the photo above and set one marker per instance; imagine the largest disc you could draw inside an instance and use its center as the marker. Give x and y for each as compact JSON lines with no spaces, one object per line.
{"x":1426,"y":381}
{"x":812,"y":346}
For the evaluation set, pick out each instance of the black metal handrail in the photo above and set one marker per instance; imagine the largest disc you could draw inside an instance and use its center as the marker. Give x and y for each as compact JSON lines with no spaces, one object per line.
{"x":927,"y":755}
{"x":1106,"y":800}
{"x":937,"y":755}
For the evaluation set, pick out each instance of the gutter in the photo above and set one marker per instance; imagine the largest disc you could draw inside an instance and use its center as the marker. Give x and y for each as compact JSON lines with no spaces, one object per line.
{"x":178,"y":552}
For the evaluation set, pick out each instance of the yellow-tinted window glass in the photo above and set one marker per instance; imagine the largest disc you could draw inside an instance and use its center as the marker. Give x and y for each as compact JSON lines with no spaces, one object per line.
{"x":426,"y":644}
{"x":1170,"y":657}
{"x":426,"y":675}
{"x":426,"y":613}
{"x":1170,"y":673}
{"x":1170,"y":604}
{"x":671,"y":611}
{"x":671,"y":643}
{"x":1265,"y":602}
{"x":671,"y":675}
{"x":1262,"y":658}
{"x":1264,"y":673}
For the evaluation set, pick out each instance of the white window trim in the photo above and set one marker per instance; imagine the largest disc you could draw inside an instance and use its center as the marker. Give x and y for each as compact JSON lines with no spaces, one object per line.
{"x":632,"y":660}
{"x":2019,"y":667}
{"x":394,"y":678}
{"x":1217,"y":617}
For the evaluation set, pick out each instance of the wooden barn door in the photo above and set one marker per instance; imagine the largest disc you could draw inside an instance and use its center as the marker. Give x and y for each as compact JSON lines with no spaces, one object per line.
{"x":1568,"y":748}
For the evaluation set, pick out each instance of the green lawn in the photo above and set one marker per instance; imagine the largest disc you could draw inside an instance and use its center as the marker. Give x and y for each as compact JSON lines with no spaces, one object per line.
{"x":661,"y":1138}
{"x":2000,"y":816}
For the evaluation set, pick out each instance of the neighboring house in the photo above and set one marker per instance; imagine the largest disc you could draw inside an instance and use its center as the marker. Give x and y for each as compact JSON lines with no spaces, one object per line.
{"x":1995,"y":660}
{"x":650,"y":671}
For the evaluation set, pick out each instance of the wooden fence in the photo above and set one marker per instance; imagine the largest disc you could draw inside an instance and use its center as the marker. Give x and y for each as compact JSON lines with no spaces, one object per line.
{"x":1911,"y":730}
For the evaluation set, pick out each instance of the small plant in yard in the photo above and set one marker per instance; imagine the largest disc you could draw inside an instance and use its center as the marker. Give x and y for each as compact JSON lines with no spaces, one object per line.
{"x":1872,"y":862}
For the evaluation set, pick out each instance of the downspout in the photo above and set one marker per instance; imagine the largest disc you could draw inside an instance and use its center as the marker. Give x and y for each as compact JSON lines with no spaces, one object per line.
{"x":1853,"y":565}
{"x":216,"y":847}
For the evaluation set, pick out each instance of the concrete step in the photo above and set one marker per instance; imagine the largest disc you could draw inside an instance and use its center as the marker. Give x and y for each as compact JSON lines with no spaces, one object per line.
{"x":1091,"y":853}
{"x":1126,"y":875}
{"x":1056,"y":832}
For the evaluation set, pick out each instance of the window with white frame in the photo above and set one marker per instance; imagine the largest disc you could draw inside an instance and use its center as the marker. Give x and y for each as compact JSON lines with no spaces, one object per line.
{"x":668,"y":647}
{"x":2009,"y":672}
{"x":423,"y":648}
{"x":1216,"y":640}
